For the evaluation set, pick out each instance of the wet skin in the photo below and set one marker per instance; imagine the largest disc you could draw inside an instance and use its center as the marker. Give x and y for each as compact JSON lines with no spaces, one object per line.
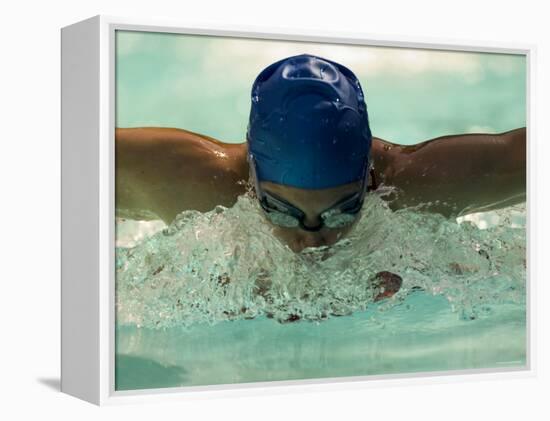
{"x":160,"y":172}
{"x":312,"y":203}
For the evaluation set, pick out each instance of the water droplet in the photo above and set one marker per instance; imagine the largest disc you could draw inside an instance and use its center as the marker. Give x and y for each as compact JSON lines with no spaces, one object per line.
{"x":195,"y":265}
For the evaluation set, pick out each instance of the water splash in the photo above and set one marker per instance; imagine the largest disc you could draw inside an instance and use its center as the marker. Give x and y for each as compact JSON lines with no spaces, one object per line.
{"x":226,"y":264}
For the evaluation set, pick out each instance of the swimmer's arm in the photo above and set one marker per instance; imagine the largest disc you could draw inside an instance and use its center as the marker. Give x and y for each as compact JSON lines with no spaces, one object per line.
{"x":161,"y":171}
{"x":455,"y":175}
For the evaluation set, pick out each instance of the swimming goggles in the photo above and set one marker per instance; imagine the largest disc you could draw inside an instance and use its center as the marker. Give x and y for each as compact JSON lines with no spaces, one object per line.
{"x":284,"y":214}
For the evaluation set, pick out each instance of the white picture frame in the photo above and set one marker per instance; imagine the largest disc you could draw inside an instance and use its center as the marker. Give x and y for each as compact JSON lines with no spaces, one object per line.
{"x":88,"y":211}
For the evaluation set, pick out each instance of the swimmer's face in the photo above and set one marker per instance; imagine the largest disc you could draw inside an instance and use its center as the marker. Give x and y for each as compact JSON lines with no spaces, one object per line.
{"x":312,"y":203}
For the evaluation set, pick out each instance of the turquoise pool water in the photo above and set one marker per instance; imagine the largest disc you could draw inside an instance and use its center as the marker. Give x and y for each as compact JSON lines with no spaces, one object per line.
{"x":208,"y":299}
{"x":203,"y":84}
{"x":420,"y":335}
{"x":215,"y":299}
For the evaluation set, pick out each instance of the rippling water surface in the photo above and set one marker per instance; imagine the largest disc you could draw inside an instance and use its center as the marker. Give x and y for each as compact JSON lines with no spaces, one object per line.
{"x":210,"y":299}
{"x":215,"y":298}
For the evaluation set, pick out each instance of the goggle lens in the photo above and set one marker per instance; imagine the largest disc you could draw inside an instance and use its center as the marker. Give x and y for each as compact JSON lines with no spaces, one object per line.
{"x":286,"y":215}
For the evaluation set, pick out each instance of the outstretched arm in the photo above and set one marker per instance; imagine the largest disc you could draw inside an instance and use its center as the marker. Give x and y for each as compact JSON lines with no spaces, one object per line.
{"x":455,"y":175}
{"x":161,"y":171}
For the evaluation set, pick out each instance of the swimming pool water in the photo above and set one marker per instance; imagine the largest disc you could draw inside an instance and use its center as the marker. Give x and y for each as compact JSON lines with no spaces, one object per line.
{"x":208,"y":299}
{"x":420,"y":335}
{"x":181,"y":291}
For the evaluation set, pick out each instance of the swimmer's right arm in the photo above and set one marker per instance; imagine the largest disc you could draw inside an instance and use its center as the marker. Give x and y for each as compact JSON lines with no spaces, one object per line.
{"x":162,"y":171}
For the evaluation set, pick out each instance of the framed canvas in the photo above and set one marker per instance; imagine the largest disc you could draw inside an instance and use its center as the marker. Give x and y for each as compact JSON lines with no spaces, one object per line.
{"x":248,"y":209}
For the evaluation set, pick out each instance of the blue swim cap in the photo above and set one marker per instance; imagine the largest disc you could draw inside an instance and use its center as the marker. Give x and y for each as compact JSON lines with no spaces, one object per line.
{"x":308,"y":124}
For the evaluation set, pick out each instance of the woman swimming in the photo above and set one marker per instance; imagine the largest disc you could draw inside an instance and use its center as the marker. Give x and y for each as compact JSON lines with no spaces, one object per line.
{"x":311,"y":157}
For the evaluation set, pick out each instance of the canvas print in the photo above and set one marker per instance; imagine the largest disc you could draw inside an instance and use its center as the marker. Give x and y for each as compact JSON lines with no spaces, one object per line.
{"x":296,"y":211}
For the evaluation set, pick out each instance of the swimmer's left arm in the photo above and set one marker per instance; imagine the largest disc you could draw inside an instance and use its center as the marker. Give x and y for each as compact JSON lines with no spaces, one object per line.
{"x":455,"y":175}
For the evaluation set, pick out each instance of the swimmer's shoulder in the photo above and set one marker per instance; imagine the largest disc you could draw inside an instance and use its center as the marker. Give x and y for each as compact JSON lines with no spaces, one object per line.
{"x":164,"y":171}
{"x":165,"y":135}
{"x":383,"y":157}
{"x":184,"y":145}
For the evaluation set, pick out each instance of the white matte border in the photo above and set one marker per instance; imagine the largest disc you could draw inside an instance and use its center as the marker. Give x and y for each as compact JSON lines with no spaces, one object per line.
{"x":108,"y":395}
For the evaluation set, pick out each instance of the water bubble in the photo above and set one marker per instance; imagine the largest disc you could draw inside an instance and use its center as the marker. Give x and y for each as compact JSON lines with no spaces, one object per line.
{"x":177,"y":278}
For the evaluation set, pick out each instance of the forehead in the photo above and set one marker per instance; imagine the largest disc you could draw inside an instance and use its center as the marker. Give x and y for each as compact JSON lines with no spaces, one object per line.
{"x":312,"y":200}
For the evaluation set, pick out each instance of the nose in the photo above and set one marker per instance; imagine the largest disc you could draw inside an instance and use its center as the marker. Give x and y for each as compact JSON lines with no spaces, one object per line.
{"x":312,"y":221}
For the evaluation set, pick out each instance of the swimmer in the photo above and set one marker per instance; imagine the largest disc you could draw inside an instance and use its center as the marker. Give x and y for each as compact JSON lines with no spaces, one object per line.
{"x":311,"y":158}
